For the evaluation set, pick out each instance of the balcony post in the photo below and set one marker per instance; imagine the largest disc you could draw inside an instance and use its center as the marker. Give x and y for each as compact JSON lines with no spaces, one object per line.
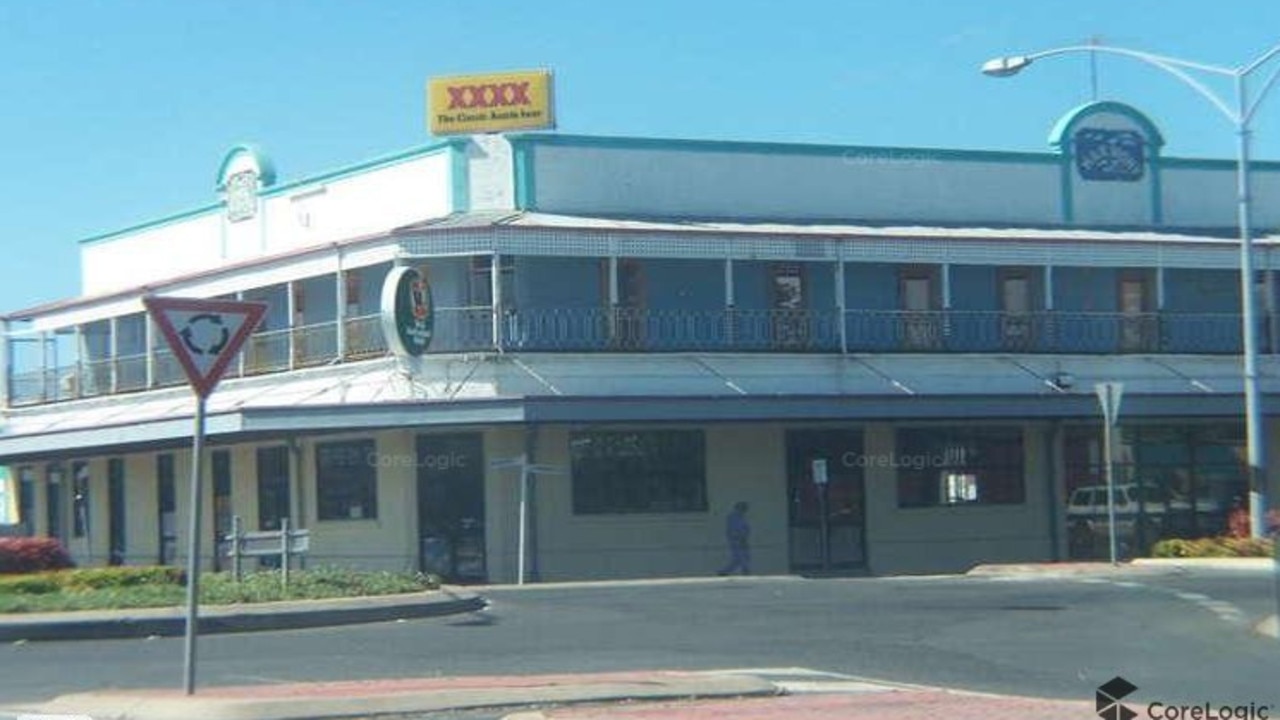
{"x":44,"y":369}
{"x":113,"y":351}
{"x":248,"y":344}
{"x":340,"y":312}
{"x":496,"y":299}
{"x":149,"y":340}
{"x":6,"y":362}
{"x":843,"y":331}
{"x":730,"y":322}
{"x":291,"y":310}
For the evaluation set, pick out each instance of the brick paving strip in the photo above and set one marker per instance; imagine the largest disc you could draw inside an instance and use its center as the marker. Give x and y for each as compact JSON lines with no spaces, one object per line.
{"x":887,"y":705}
{"x":296,"y":701}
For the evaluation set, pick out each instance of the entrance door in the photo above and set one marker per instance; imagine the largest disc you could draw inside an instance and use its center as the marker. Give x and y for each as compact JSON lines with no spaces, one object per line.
{"x":451,"y":506}
{"x":842,"y":498}
{"x":1137,"y":317}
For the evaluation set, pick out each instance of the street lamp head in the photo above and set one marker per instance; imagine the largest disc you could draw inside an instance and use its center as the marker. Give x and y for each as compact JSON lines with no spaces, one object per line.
{"x":1005,"y":66}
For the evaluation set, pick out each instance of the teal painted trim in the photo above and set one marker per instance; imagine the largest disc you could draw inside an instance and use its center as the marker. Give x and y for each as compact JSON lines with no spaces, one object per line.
{"x":459,"y":177}
{"x":153,"y":224}
{"x":1065,"y":125}
{"x":525,"y":176}
{"x":777,"y":148}
{"x":266,"y":169}
{"x":1211,"y":164}
{"x":376,"y":163}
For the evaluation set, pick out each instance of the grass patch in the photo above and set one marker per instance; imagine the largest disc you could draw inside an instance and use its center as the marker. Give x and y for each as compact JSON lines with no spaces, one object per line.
{"x":141,"y":587}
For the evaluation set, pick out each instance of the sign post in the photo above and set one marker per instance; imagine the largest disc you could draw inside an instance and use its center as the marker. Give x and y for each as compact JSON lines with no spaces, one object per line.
{"x":820,"y":479}
{"x":204,"y":335}
{"x":526,"y":469}
{"x":1109,"y":396}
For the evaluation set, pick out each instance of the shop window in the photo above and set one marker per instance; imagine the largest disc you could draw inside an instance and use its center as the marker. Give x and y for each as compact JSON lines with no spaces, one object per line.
{"x":346,"y":480}
{"x":273,"y":486}
{"x":643,"y":471}
{"x":978,"y":466}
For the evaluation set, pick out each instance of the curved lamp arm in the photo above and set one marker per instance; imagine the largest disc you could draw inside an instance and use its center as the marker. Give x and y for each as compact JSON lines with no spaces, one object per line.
{"x":1006,"y":66}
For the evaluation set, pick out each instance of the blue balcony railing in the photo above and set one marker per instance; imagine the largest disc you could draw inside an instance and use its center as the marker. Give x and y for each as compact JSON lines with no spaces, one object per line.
{"x":472,"y":329}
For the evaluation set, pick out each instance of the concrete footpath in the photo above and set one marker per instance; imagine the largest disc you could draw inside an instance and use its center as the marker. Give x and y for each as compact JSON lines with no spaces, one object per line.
{"x":290,"y":615}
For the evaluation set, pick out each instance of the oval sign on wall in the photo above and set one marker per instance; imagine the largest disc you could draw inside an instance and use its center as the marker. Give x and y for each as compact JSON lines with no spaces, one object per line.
{"x":408,"y":315}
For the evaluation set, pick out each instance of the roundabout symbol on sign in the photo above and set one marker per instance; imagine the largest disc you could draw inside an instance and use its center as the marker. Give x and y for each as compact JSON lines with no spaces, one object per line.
{"x":205,"y":334}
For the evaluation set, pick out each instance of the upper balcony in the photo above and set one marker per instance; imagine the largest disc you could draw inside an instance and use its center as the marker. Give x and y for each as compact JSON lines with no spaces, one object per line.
{"x":636,"y":330}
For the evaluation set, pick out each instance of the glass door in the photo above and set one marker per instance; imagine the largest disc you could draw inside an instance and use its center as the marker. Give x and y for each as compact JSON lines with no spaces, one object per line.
{"x":827,"y":521}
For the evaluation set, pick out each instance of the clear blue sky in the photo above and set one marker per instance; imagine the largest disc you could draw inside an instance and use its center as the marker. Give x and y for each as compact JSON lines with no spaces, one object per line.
{"x":115,"y":112}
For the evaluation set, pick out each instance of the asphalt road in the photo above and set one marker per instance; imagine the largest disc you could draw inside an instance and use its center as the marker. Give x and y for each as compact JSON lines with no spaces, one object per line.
{"x":1178,"y":637}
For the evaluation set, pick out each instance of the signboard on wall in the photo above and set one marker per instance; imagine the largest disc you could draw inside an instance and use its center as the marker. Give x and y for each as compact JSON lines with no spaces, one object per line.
{"x":490,"y":103}
{"x":408,"y":315}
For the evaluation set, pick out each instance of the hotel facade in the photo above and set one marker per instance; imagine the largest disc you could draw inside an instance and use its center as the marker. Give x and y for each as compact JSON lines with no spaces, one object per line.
{"x":889,"y":353}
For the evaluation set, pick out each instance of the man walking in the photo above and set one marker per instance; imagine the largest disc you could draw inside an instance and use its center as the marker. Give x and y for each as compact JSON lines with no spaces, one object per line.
{"x":738,"y":533}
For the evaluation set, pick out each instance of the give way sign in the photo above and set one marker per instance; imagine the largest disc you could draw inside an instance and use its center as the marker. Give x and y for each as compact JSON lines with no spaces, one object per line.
{"x":204,"y":335}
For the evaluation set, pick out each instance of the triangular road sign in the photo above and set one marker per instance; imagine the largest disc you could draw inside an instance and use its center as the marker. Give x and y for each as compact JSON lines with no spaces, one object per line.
{"x":204,"y":335}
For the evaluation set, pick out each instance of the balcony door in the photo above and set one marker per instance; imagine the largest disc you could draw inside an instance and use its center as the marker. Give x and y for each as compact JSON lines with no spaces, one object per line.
{"x":789,"y":300}
{"x":920,"y":300}
{"x":627,"y":316}
{"x":1017,"y":308}
{"x":1136,"y":301}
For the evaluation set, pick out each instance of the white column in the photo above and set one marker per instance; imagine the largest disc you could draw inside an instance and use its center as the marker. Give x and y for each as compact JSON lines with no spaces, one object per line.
{"x":496,"y":299}
{"x":113,"y":352}
{"x":149,"y":339}
{"x":290,"y":310}
{"x":842,"y":327}
{"x":340,"y":313}
{"x":6,"y":365}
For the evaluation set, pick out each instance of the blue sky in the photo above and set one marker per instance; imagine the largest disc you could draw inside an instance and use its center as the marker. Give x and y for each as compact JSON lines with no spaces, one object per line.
{"x":117,"y":112}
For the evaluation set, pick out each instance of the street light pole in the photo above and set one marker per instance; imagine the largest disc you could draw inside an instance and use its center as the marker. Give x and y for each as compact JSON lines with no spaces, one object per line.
{"x":1241,"y":117}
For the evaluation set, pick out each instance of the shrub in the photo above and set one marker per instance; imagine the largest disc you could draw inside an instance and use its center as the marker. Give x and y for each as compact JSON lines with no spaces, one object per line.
{"x":41,"y":584}
{"x":103,"y":578}
{"x":28,"y":554}
{"x":1213,"y":548}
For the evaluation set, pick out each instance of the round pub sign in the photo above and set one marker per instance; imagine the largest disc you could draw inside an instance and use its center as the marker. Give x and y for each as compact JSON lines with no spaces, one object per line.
{"x":408,"y":317}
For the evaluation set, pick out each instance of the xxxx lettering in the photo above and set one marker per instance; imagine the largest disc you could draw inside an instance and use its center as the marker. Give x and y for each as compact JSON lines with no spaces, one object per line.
{"x":493,"y":95}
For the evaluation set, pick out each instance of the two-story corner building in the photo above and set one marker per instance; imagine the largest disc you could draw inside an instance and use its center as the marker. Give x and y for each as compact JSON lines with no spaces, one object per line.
{"x":664,"y":328}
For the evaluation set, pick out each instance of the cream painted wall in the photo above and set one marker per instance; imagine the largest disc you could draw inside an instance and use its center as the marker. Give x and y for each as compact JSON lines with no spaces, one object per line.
{"x":386,"y":542}
{"x":744,"y":462}
{"x":952,"y":539}
{"x":142,"y":524}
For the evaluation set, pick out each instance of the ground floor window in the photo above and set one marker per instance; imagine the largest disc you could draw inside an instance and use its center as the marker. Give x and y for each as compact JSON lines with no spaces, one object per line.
{"x":346,"y":480}
{"x":639,"y":471}
{"x":1170,"y":481}
{"x":960,"y":466}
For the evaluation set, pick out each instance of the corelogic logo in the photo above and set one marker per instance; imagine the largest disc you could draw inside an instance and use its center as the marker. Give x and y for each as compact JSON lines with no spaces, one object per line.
{"x":1109,"y":707}
{"x":507,"y":94}
{"x":1108,"y":699}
